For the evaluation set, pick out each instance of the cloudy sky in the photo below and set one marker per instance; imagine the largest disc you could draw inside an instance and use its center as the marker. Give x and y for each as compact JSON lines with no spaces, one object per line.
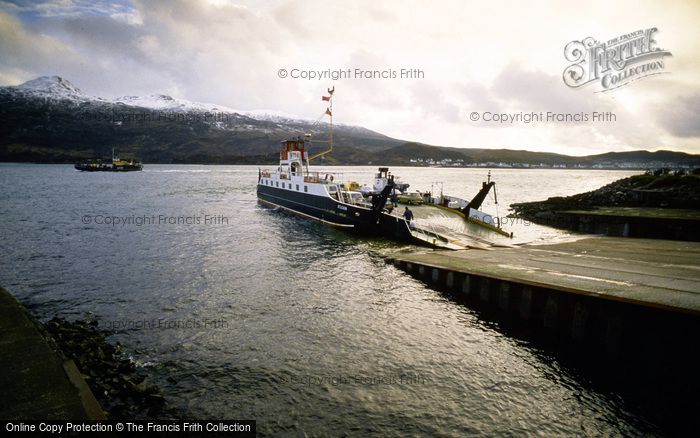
{"x":497,"y":57}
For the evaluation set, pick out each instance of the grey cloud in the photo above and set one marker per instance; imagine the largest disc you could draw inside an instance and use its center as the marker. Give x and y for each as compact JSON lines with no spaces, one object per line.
{"x":681,"y":116}
{"x":479,"y":98}
{"x":533,"y":90}
{"x":192,"y":49}
{"x":65,"y":8}
{"x":34,"y":53}
{"x":432,"y":102}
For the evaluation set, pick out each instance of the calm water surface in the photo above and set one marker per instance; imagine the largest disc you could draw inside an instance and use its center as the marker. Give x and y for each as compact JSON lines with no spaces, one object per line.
{"x":279,"y":319}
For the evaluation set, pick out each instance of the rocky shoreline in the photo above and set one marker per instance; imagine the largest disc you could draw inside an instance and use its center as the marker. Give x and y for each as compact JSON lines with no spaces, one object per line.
{"x":121,"y":389}
{"x":651,"y":190}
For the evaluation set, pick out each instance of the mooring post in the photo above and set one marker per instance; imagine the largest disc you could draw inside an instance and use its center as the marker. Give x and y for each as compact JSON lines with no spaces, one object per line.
{"x":613,"y":335}
{"x":526,"y":303}
{"x":484,"y":290}
{"x":551,"y":312}
{"x":435,"y":276}
{"x":450,"y":279}
{"x":579,"y":320}
{"x":466,"y":285}
{"x":504,"y":296}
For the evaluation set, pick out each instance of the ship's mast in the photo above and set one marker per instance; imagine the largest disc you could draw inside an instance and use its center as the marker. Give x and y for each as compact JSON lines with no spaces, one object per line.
{"x":329,"y":112}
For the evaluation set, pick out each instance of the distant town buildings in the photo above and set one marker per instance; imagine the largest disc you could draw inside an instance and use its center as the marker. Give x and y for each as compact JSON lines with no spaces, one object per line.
{"x":449,"y":162}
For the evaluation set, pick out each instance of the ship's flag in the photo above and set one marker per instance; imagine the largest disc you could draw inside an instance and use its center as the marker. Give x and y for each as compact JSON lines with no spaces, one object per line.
{"x":328,"y":111}
{"x":326,"y":98}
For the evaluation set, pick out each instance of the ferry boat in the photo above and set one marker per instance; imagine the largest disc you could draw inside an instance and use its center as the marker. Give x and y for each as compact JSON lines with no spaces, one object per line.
{"x":331,"y":199}
{"x":117,"y":165}
{"x":327,"y":197}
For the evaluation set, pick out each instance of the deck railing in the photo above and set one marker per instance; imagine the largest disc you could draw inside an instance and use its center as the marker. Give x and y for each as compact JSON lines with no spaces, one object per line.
{"x":311,"y":177}
{"x":323,"y":177}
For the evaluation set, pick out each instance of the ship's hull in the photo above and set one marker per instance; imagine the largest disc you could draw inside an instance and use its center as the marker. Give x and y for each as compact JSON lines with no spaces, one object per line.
{"x":337,"y":214}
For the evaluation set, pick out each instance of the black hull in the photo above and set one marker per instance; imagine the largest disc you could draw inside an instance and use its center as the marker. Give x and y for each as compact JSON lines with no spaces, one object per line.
{"x":331,"y":212}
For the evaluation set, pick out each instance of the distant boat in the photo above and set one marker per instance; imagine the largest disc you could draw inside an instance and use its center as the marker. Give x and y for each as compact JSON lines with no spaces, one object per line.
{"x":117,"y":165}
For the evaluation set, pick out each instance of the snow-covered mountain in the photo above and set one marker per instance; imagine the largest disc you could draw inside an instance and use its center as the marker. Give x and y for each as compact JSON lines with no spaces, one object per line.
{"x":51,"y":87}
{"x":60,"y":89}
{"x":275,"y":116}
{"x":56,"y":88}
{"x":49,"y":119}
{"x":51,"y":84}
{"x":163,"y":102}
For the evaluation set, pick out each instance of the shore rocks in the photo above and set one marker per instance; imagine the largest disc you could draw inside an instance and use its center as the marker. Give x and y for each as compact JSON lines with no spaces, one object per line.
{"x":122,"y":391}
{"x":648,"y":190}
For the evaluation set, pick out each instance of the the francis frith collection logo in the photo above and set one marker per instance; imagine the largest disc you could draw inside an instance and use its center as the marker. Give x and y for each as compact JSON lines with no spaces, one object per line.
{"x":614,"y":63}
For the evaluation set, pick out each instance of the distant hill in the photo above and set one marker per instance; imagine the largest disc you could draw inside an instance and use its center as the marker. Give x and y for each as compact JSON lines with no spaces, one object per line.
{"x":49,"y":120}
{"x":411,"y":153}
{"x":642,"y":156}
